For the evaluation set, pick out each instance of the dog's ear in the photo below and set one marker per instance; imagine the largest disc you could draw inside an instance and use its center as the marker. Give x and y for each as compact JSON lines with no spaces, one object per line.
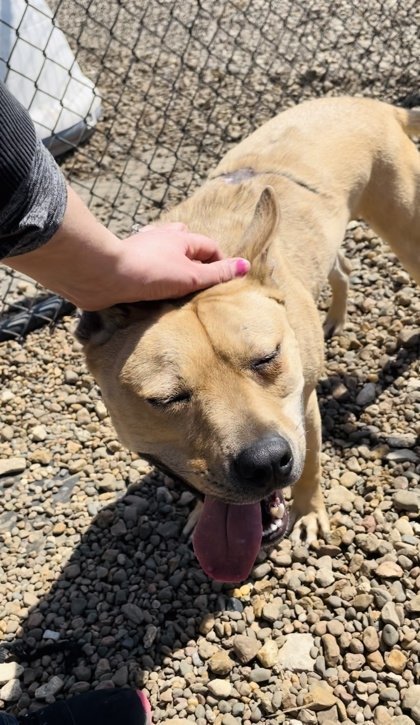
{"x":97,"y":327}
{"x":259,"y":235}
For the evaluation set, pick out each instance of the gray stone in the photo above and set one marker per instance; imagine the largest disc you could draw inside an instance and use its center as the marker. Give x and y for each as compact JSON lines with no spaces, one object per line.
{"x":133,"y":613}
{"x":401,"y":455}
{"x":407,"y":501}
{"x":367,"y":395}
{"x":390,"y":635}
{"x":260,"y":674}
{"x":50,"y":688}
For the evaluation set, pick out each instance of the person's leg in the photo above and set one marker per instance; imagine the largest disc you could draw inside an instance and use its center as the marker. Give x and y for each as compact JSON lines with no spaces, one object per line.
{"x":6,"y":719}
{"x":99,"y":707}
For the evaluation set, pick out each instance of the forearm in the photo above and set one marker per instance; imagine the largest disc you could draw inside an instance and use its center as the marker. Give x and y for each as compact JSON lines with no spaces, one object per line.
{"x":82,"y":255}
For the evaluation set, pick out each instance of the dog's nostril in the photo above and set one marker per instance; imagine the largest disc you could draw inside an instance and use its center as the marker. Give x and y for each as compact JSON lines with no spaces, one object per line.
{"x":285,"y":461}
{"x":269,"y":460}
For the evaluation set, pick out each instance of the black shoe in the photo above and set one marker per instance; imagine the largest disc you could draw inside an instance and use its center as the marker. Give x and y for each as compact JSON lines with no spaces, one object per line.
{"x":99,"y":707}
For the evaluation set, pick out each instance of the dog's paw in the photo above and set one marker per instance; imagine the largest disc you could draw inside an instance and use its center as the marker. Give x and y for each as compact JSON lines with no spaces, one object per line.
{"x":192,"y":519}
{"x":332,"y":327}
{"x":309,"y":528}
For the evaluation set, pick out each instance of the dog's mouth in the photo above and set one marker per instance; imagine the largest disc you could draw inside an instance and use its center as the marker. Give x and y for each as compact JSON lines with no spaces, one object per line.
{"x":275,"y":518}
{"x":228,"y":537}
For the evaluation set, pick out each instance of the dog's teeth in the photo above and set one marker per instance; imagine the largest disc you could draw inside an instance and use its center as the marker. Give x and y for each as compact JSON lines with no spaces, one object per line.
{"x":277,"y":512}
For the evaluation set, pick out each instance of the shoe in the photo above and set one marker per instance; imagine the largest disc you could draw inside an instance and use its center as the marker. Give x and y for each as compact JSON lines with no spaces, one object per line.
{"x":121,"y":706}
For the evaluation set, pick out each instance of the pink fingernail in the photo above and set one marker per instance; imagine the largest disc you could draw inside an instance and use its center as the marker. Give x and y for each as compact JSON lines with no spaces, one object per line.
{"x":242,"y":267}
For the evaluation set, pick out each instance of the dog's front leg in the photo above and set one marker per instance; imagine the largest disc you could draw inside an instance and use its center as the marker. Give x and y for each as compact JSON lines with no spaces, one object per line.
{"x":309,"y":516}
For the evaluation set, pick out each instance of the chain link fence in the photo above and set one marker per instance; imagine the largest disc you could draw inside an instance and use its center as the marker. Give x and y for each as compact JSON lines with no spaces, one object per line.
{"x":168,"y":87}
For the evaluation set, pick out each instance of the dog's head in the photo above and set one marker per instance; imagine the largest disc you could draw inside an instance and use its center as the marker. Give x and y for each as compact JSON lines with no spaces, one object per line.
{"x":211,"y":389}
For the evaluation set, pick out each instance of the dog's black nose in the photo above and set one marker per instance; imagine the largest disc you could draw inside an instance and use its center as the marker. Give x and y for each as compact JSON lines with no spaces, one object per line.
{"x":266,"y":461}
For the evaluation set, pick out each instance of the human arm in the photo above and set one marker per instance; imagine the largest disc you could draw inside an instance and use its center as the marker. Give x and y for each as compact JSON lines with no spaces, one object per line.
{"x":48,"y":233}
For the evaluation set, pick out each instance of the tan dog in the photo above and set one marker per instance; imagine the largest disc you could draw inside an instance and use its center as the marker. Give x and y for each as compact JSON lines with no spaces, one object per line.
{"x":219,"y":389}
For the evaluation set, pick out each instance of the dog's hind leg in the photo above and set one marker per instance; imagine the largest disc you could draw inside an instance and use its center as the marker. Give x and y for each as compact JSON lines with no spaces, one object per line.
{"x":339,"y":281}
{"x":390,"y":202}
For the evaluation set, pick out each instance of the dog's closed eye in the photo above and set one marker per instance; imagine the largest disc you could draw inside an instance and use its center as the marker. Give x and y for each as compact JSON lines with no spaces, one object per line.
{"x":261,"y":363}
{"x":174,"y":400}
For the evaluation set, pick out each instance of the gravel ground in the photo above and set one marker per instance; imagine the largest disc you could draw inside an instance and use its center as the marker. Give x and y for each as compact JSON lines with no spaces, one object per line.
{"x":93,"y":552}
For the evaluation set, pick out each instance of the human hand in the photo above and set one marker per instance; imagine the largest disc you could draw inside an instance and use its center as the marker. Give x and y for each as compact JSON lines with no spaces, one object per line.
{"x":88,"y":265}
{"x":165,"y":261}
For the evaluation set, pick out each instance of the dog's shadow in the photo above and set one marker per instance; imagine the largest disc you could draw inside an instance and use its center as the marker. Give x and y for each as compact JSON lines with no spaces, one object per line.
{"x":343,"y":418}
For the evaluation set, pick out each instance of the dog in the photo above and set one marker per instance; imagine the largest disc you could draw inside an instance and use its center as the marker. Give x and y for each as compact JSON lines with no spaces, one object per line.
{"x":219,"y":389}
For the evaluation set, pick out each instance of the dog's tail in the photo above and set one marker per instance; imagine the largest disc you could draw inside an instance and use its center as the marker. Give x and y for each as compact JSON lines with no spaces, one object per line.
{"x":409,"y":119}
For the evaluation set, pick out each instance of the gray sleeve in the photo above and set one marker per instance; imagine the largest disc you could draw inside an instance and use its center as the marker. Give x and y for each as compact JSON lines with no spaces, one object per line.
{"x":36,"y":209}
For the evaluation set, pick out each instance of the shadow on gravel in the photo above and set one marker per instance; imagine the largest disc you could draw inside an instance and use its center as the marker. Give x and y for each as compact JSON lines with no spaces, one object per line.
{"x":342,"y":417}
{"x":131,"y":594}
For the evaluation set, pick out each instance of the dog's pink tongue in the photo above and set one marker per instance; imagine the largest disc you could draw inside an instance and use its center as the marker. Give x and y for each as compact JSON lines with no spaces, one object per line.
{"x":227,"y":539}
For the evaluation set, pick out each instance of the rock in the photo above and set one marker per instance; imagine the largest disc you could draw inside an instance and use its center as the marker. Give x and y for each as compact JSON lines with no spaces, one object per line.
{"x":341,"y":496}
{"x":389,"y":614}
{"x":50,"y":688}
{"x":268,"y":654}
{"x":361,"y":602}
{"x":206,"y":649}
{"x":382,"y":716}
{"x":349,"y":478}
{"x":220,"y":663}
{"x":375,"y":661}
{"x":260,"y":674}
{"x":331,"y":650}
{"x":407,"y":501}
{"x":120,"y":676}
{"x":9,"y":671}
{"x":381,"y":595}
{"x":388,"y":570}
{"x":390,"y":635}
{"x":320,"y":697}
{"x":389,"y":694}
{"x":402,"y":720}
{"x":402,"y":455}
{"x":324,"y":577}
{"x":367,"y":395}
{"x":396,"y":661}
{"x":353,"y":661}
{"x":335,"y":627}
{"x":370,"y":639}
{"x":12,"y":466}
{"x":413,"y":605}
{"x":261,"y":570}
{"x":220,"y":688}
{"x":11,"y":691}
{"x":411,"y":701}
{"x":245,"y":648}
{"x":273,"y":611}
{"x":133,"y":613}
{"x":295,"y":653}
{"x":150,"y":635}
{"x":207,"y":624}
{"x":38,"y":433}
